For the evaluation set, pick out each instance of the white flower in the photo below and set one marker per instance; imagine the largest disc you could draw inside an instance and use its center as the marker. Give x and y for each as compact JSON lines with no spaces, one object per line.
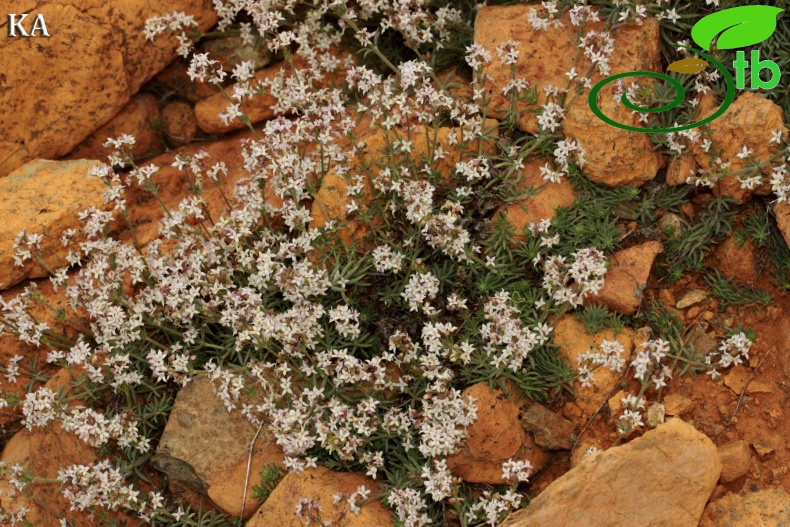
{"x":744,"y":153}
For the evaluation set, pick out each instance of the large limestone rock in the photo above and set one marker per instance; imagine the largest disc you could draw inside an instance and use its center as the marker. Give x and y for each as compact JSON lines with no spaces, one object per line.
{"x":205,"y":449}
{"x":613,"y":156}
{"x":627,"y":277}
{"x":495,"y":437}
{"x":60,"y":89}
{"x":321,"y":485}
{"x":570,"y":336}
{"x":750,"y":121}
{"x":662,"y":479}
{"x":43,"y":197}
{"x":766,"y":508}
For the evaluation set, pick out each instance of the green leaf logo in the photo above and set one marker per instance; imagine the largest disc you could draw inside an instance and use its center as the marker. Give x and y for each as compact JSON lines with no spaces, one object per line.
{"x":739,"y":27}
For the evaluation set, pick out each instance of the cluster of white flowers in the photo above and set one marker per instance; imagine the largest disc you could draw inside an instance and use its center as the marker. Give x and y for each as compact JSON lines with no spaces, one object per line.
{"x":25,"y":245}
{"x":409,"y":506}
{"x":546,"y":17}
{"x":175,"y":22}
{"x":346,"y":321}
{"x":420,"y":291}
{"x":598,"y":47}
{"x":491,"y":506}
{"x":444,"y":422}
{"x":507,"y":341}
{"x":574,"y":282}
{"x":516,"y":471}
{"x":97,"y":430}
{"x":632,"y":415}
{"x":438,"y":480}
{"x":609,"y":355}
{"x":550,"y":117}
{"x":780,"y":182}
{"x":649,"y":365}
{"x":731,"y":352}
{"x":385,"y":259}
{"x":99,"y":484}
{"x":168,"y":365}
{"x":40,"y":407}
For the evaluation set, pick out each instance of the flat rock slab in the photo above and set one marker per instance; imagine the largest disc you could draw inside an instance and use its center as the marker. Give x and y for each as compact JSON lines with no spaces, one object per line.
{"x":204,"y":450}
{"x":662,"y":479}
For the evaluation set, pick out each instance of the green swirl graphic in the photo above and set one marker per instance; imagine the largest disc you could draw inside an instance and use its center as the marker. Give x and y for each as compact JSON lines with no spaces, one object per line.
{"x":680,"y":94}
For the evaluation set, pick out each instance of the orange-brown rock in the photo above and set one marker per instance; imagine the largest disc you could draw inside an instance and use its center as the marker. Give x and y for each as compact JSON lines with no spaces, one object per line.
{"x":59,"y":90}
{"x":627,"y":277}
{"x":179,"y":121}
{"x":613,"y":156}
{"x":570,"y":336}
{"x":43,"y":197}
{"x":662,"y":479}
{"x":44,"y":451}
{"x":736,"y":460}
{"x":729,"y":133}
{"x":321,"y":485}
{"x":764,"y":508}
{"x":551,"y":431}
{"x":782,"y":213}
{"x":736,"y":261}
{"x":677,"y":405}
{"x":138,"y":118}
{"x":495,"y":437}
{"x":204,"y":450}
{"x":543,"y":204}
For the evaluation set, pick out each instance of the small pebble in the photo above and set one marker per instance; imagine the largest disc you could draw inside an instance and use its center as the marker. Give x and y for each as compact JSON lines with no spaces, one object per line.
{"x":692,"y":297}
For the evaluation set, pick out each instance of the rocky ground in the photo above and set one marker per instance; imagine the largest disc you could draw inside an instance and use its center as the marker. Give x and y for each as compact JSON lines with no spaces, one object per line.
{"x":711,"y":453}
